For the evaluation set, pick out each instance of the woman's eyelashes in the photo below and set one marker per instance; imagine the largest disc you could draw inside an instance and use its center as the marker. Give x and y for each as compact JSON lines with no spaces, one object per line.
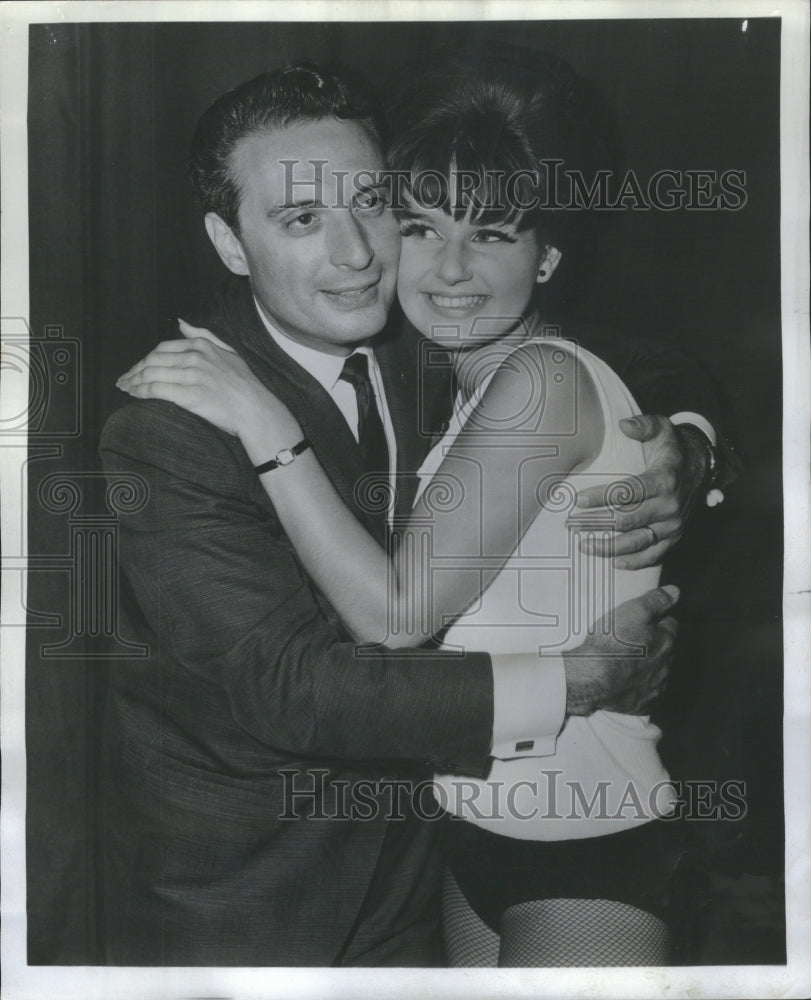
{"x":493,"y":236}
{"x":411,"y":227}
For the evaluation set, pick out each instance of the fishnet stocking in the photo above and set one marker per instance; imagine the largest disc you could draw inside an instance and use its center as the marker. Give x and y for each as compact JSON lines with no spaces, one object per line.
{"x":469,"y":942}
{"x":570,"y":932}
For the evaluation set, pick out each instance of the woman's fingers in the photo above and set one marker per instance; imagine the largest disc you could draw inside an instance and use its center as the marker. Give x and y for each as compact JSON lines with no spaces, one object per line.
{"x":153,"y":361}
{"x":183,"y":346}
{"x":172,"y":392}
{"x":174,"y":354}
{"x":200,"y":374}
{"x":153,"y":370}
{"x":180,"y":387}
{"x":201,"y":332}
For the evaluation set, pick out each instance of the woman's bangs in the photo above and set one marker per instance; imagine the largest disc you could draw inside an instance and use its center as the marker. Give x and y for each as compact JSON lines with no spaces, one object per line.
{"x":490,"y":183}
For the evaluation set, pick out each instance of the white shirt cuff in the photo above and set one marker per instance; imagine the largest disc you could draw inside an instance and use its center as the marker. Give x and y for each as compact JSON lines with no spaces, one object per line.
{"x":697,"y":421}
{"x":529,"y":705}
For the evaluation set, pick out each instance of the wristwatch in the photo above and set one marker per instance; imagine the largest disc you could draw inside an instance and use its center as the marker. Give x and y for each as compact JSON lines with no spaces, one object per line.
{"x":285,"y":457}
{"x":709,"y":482}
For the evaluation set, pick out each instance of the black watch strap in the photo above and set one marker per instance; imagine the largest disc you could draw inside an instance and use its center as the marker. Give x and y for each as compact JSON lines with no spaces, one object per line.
{"x":285,"y":457}
{"x":709,"y":482}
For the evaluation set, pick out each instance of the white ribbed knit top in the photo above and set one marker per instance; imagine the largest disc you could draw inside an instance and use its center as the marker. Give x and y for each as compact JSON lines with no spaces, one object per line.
{"x":606,"y":774}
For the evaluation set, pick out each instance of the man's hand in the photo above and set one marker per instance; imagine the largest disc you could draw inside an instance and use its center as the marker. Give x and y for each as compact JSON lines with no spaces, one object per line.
{"x":656,"y":503}
{"x":623,"y":666}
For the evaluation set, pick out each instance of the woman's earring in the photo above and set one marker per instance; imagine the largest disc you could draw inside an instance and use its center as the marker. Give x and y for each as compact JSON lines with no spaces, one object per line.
{"x":550,"y":260}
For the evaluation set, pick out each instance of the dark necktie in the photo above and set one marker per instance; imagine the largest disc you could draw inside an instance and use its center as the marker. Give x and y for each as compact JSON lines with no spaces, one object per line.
{"x":371,"y":436}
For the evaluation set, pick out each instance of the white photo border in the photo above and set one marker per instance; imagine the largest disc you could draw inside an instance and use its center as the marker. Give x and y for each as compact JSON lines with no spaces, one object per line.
{"x":23,"y":982}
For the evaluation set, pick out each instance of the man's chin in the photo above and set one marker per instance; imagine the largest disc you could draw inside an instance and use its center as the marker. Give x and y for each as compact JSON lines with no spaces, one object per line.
{"x":357,"y":324}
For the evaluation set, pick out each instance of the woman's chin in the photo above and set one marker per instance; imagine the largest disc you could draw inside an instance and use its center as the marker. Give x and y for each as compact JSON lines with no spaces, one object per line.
{"x":456,"y":329}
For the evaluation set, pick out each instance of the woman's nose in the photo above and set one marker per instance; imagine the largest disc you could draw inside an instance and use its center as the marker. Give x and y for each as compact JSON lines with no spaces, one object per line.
{"x":453,"y":266}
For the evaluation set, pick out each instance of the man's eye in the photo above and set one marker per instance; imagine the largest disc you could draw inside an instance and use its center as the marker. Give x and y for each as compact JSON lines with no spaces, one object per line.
{"x":369,"y":201}
{"x":304,"y":220}
{"x":418,"y":229}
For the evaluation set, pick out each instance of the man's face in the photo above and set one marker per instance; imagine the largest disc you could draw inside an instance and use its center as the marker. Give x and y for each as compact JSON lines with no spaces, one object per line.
{"x":322,"y":258}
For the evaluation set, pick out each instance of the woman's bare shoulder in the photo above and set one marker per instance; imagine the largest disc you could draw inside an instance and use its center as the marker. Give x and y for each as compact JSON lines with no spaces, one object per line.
{"x":542,"y":384}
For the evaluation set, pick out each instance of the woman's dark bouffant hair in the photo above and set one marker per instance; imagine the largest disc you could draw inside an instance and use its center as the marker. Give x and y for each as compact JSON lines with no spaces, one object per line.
{"x":499,"y":113}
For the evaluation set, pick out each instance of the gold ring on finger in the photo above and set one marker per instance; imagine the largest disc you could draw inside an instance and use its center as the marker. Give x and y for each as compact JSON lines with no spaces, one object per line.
{"x":654,"y":538}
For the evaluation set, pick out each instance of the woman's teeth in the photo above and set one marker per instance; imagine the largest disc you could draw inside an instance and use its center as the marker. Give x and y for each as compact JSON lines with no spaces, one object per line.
{"x":457,"y":301}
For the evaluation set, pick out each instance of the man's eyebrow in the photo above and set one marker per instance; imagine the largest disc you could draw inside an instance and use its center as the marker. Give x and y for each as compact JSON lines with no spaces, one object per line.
{"x":288,"y":205}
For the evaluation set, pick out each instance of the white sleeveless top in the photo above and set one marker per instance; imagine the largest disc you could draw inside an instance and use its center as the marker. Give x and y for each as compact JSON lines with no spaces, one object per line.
{"x":606,"y":774}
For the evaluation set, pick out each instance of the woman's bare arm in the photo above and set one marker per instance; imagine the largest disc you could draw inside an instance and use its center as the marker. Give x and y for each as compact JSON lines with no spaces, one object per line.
{"x":526,"y":433}
{"x":518,"y":442}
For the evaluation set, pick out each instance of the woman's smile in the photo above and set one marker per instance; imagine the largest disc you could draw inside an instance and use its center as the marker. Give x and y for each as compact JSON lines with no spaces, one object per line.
{"x":446,"y":303}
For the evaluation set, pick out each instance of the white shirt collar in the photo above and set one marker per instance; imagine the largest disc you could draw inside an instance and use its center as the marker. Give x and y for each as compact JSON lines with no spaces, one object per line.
{"x":325,"y":368}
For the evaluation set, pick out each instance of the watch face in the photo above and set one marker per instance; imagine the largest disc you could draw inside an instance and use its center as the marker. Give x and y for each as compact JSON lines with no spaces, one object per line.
{"x":285,"y":457}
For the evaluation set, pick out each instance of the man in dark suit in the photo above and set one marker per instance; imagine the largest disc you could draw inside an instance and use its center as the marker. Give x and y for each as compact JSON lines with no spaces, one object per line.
{"x":256,"y":759}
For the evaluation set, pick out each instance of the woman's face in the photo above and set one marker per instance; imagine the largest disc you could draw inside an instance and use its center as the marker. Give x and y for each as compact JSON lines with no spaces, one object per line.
{"x":463,"y":283}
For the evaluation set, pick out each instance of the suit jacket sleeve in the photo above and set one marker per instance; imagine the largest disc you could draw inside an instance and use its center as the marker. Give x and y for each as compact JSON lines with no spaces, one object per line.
{"x":667,"y":381}
{"x":217,"y":580}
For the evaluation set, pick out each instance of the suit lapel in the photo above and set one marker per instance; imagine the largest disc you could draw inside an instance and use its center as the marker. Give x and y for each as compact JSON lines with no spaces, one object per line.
{"x":321,"y":421}
{"x":399,"y":360}
{"x":416,"y":375}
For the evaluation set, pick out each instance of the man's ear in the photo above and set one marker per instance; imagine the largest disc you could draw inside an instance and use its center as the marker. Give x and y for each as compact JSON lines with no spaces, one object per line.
{"x":226,"y":244}
{"x":550,"y":261}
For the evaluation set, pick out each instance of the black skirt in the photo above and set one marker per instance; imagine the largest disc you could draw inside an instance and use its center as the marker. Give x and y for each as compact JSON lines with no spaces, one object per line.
{"x":634,"y":866}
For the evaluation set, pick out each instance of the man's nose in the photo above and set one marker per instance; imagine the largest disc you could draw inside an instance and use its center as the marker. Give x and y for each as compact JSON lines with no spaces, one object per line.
{"x":453,"y":265}
{"x":349,"y":242}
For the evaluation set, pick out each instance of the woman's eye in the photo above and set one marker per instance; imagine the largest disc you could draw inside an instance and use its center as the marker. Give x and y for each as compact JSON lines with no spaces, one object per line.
{"x":493,"y":236}
{"x":418,"y":229}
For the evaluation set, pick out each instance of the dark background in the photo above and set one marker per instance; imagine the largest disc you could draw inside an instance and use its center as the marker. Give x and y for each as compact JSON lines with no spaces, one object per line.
{"x":117,"y":249}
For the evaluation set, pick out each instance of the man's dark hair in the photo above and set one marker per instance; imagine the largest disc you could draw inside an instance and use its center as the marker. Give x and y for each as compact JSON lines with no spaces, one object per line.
{"x":299,"y":92}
